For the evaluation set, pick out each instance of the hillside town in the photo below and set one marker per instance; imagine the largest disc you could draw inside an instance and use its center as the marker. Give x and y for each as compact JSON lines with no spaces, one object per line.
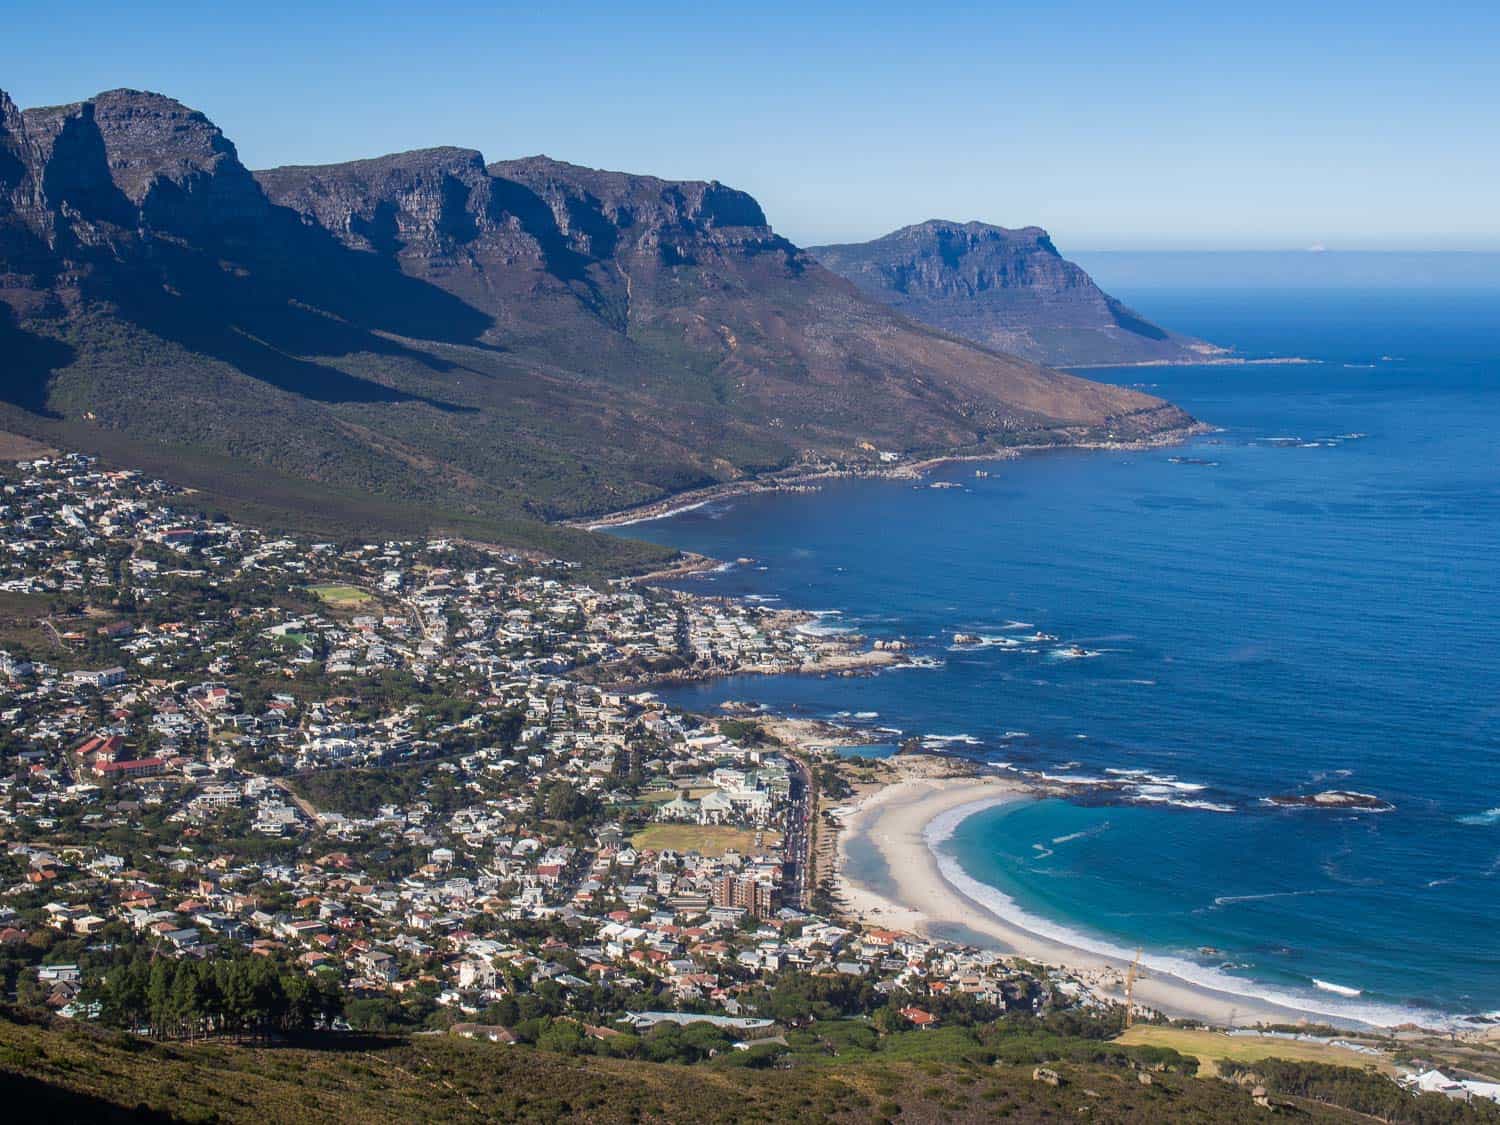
{"x":428,"y":781}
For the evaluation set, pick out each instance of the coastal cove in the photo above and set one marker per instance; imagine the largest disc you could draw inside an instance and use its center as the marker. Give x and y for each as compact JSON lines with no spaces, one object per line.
{"x":898,"y":871}
{"x":1336,"y":634}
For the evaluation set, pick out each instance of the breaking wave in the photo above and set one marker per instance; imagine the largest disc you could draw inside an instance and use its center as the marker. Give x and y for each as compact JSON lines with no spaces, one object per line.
{"x":1489,"y":816}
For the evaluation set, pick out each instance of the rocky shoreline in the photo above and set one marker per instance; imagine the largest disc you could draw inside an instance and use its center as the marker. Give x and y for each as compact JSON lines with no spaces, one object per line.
{"x":812,"y":479}
{"x":1202,"y":361}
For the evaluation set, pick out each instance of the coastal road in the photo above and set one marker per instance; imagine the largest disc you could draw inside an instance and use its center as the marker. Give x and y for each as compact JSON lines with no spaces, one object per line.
{"x":797,"y":844}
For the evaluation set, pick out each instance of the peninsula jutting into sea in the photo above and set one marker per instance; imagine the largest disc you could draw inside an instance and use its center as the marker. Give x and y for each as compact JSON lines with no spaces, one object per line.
{"x":507,"y":640}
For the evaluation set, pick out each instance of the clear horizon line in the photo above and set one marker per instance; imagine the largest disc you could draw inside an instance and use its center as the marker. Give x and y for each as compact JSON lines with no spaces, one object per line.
{"x":1308,"y":250}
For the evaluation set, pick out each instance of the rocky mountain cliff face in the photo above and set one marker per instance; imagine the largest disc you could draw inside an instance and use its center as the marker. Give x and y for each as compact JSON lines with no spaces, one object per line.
{"x":1008,"y":289}
{"x":110,"y":173}
{"x":528,"y":339}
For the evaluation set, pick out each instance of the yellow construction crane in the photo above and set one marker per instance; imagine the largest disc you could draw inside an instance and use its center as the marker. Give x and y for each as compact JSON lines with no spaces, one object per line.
{"x":1130,"y":975}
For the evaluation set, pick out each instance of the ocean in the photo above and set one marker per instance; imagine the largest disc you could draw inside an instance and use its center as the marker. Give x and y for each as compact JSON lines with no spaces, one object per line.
{"x":1306,"y":600}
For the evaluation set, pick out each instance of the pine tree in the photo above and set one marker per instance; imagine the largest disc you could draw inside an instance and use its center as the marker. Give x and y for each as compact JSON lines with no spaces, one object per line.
{"x":186,"y":1012}
{"x":301,"y":1004}
{"x":159,"y":996}
{"x":330,"y":998}
{"x":210,"y":999}
{"x":239,"y":995}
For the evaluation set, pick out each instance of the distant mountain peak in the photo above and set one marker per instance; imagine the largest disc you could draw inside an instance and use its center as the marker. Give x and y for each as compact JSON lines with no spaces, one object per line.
{"x":1008,"y":288}
{"x":707,"y":202}
{"x":148,"y":137}
{"x":121,"y":166}
{"x":437,"y":157}
{"x":973,"y":228}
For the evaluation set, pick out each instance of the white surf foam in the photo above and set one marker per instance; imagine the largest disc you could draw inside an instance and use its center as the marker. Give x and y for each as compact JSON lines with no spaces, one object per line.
{"x":949,"y":739}
{"x":819,"y":626}
{"x":1337,"y":989}
{"x":1230,"y":900}
{"x":1488,"y":817}
{"x":1073,"y":779}
{"x":986,"y":640}
{"x":1085,"y":834}
{"x":922,"y":662}
{"x":666,"y":515}
{"x":1176,"y":803}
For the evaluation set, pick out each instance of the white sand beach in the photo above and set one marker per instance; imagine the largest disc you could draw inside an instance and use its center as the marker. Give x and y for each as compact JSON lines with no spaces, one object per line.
{"x":895,"y":819}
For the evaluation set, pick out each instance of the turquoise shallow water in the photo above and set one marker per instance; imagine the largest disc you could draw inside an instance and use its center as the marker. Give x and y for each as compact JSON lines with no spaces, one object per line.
{"x":1307,"y":600}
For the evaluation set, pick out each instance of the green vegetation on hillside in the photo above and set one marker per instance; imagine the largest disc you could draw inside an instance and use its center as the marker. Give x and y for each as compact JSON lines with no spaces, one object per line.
{"x":265,"y":496}
{"x":70,"y":1072}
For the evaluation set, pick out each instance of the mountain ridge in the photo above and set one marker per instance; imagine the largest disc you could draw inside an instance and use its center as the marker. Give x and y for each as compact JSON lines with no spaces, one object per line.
{"x":519,"y":341}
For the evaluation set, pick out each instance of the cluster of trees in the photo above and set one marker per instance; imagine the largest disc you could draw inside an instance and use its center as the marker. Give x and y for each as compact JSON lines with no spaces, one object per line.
{"x":1025,"y":1042}
{"x":388,"y":1014}
{"x":1014,"y":1040}
{"x":558,"y":800}
{"x":798,"y":997}
{"x":185,"y":999}
{"x":360,"y":791}
{"x":831,"y":782}
{"x":744,"y":731}
{"x":665,"y":1043}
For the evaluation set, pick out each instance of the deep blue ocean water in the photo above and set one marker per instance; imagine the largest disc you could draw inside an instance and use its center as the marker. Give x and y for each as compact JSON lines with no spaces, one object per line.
{"x":1314,"y":612}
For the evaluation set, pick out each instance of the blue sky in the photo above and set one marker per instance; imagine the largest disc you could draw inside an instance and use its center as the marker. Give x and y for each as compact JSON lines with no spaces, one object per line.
{"x":1132,"y":126}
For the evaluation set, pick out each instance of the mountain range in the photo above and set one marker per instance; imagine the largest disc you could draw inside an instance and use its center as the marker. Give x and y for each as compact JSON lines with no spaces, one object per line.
{"x":427,"y":342}
{"x":1007,"y":289}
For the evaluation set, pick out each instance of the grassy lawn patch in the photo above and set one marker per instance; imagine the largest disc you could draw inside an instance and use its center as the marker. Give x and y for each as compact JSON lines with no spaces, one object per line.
{"x":1211,"y":1046}
{"x":662,"y":796}
{"x":341,"y":597}
{"x":705,"y":839}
